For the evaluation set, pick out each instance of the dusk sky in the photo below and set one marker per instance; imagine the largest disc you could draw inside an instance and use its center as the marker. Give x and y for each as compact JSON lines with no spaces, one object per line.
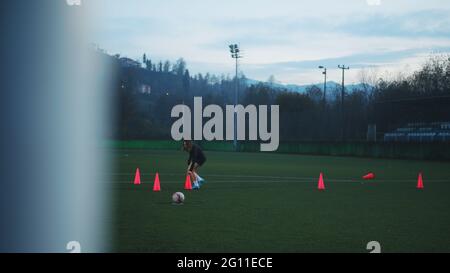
{"x":287,"y":38}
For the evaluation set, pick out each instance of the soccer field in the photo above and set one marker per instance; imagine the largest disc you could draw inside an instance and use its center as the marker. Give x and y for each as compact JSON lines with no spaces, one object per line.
{"x":266,"y":202}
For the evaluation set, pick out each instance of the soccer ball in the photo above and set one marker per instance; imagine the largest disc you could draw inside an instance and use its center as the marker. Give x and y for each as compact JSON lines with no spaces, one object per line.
{"x":178,"y":198}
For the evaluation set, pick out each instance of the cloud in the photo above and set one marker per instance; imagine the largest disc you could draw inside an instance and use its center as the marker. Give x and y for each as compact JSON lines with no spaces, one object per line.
{"x":373,"y":2}
{"x":359,"y":60}
{"x":427,"y":23}
{"x":288,"y":38}
{"x":305,"y":72}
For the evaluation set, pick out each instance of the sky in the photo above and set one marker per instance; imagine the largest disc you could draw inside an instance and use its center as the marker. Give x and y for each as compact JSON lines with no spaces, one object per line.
{"x":286,"y":38}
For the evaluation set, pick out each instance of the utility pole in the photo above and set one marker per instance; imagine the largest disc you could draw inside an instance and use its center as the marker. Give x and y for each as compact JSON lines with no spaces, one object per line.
{"x":235,"y":54}
{"x":343,"y":67}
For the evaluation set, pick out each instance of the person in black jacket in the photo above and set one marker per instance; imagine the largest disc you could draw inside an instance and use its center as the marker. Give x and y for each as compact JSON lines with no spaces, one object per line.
{"x":196,"y":159}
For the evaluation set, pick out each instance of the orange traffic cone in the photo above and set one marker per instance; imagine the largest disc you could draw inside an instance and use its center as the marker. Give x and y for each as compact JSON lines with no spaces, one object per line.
{"x":369,"y":176}
{"x":420,"y":181}
{"x":188,"y":184}
{"x":156,"y":185}
{"x":321,"y":185}
{"x":137,"y":177}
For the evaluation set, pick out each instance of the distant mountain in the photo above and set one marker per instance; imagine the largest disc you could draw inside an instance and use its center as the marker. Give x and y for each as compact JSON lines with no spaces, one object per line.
{"x":302,"y":88}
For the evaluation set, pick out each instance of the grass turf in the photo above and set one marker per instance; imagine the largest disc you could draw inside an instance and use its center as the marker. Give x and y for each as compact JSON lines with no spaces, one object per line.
{"x":265,"y":202}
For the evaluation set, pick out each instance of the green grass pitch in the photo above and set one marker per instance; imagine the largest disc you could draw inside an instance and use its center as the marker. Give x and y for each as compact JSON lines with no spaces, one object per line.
{"x":266,"y":202}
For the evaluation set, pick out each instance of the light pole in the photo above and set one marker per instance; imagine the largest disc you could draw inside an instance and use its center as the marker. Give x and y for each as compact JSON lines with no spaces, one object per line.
{"x":324,"y":84}
{"x":343,"y":67}
{"x":235,"y":54}
{"x":324,"y":114}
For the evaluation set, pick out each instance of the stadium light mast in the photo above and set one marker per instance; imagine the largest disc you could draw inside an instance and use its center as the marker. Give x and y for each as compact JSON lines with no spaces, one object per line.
{"x":235,"y":54}
{"x":324,"y":84}
{"x":343,"y":67}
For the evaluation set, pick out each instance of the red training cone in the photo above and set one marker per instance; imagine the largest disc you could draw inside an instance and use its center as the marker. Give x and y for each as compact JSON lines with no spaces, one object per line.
{"x":188,"y":184}
{"x":156,"y":185}
{"x":369,"y":176}
{"x":321,"y":185}
{"x":137,"y":177}
{"x":420,"y":181}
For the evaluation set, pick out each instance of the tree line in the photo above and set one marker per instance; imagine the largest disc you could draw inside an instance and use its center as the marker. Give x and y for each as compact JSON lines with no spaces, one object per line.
{"x":144,"y":97}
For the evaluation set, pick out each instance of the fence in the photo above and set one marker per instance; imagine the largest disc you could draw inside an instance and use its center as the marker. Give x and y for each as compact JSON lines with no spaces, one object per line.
{"x":429,"y":151}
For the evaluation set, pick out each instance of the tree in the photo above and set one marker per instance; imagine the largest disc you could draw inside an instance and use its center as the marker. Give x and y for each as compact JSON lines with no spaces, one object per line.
{"x":166,"y":67}
{"x":126,"y":105}
{"x":368,"y":77}
{"x":179,"y":67}
{"x":314,"y":92}
{"x":147,"y":62}
{"x":186,"y":84}
{"x":387,"y":100}
{"x":149,"y":65}
{"x":271,"y":80}
{"x":297,"y":116}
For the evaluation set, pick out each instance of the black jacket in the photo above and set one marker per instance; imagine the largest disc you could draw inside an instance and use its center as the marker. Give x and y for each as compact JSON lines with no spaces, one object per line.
{"x":196,"y":155}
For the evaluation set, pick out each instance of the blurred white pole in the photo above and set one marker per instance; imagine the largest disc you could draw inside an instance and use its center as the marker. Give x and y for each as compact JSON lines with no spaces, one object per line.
{"x":53,"y":114}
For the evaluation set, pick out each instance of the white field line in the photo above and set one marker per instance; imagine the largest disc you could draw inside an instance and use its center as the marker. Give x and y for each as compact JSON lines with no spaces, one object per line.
{"x":271,"y":179}
{"x":265,"y":181}
{"x":292,"y":181}
{"x":214,"y":182}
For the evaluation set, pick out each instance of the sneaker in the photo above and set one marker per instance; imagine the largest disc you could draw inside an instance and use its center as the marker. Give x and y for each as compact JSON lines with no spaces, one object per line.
{"x":201,"y":181}
{"x":196,"y":186}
